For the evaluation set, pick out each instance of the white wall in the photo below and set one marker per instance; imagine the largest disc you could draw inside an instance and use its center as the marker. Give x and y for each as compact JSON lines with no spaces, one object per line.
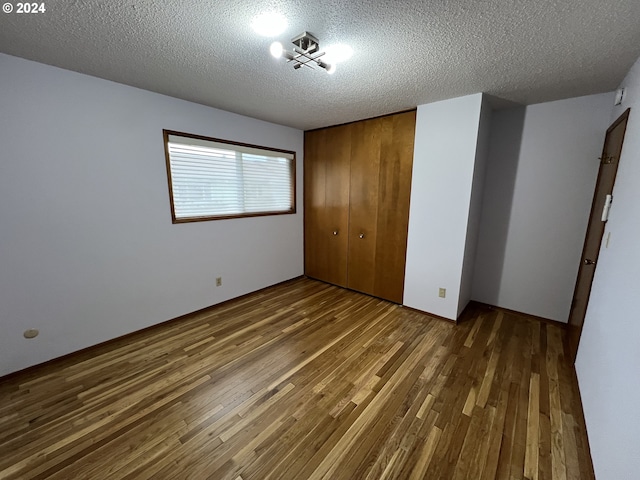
{"x":502,"y":165}
{"x":87,"y":248}
{"x":475,"y":208}
{"x":608,"y":363}
{"x":543,"y":205}
{"x":443,"y":167}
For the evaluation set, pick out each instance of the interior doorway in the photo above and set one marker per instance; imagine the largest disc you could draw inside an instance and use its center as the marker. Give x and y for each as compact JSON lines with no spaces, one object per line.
{"x":602,"y":198}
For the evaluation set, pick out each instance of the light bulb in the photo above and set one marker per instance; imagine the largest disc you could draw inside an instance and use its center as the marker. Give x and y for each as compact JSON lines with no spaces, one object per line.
{"x":332,"y":69}
{"x":337,"y":53}
{"x":276,"y":49}
{"x":269,"y":24}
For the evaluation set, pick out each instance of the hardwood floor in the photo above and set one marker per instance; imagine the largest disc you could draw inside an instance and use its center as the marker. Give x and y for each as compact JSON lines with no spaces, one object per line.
{"x":304,"y":381}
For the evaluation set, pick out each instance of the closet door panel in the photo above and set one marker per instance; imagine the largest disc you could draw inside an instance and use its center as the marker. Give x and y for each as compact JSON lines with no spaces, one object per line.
{"x":365,"y":167}
{"x":337,"y":159}
{"x":396,"y":163}
{"x":326,"y":176}
{"x":314,"y":201}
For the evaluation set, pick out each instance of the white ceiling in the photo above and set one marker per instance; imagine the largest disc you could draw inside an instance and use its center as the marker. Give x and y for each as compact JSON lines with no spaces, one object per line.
{"x":407,"y":53}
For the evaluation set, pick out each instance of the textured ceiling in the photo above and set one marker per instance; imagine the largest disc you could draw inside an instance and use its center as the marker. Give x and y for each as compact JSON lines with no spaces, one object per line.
{"x":406,"y":52}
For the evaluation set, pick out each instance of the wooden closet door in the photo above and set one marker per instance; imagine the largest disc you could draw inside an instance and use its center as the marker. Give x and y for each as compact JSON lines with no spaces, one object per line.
{"x":394,"y":188}
{"x":327,"y":154}
{"x":314,"y":175}
{"x":363,"y":205}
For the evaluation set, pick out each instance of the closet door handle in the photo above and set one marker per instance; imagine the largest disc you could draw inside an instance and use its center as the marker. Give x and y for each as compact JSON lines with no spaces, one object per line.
{"x":361,"y":235}
{"x":335,"y":232}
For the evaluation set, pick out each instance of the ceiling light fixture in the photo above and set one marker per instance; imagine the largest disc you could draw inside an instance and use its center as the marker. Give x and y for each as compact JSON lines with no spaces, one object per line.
{"x":306,"y":53}
{"x":269,"y":24}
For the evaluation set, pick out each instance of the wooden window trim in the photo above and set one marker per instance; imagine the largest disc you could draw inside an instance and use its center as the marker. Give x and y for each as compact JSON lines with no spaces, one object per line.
{"x":165,"y":136}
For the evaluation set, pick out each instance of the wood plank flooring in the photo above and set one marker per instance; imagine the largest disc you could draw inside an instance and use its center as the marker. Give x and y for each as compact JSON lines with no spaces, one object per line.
{"x":304,"y":381}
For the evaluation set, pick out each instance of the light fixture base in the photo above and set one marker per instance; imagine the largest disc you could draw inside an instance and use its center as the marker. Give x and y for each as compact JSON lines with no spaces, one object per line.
{"x":306,"y":42}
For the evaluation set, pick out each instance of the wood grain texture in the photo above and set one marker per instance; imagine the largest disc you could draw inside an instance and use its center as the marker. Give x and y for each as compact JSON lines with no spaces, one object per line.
{"x":304,"y":381}
{"x":336,"y":208}
{"x":394,"y":192}
{"x":357,"y":184}
{"x":315,"y":244}
{"x":327,"y":157}
{"x":366,"y":138}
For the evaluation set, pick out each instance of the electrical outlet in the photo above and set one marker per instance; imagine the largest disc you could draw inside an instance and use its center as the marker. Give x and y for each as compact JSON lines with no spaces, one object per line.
{"x":442,"y":292}
{"x":218,"y":281}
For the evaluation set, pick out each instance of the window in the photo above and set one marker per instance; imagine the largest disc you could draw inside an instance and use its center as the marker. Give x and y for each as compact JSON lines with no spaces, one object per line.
{"x":212,"y":179}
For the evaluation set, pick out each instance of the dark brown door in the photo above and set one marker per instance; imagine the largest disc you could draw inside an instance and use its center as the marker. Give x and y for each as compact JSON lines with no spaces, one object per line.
{"x":394,"y":188}
{"x":363,"y":211}
{"x":604,"y":186}
{"x":326,"y":194}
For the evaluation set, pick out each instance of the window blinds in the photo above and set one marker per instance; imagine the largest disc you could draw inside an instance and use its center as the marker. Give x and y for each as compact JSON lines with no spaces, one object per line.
{"x":214,"y":179}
